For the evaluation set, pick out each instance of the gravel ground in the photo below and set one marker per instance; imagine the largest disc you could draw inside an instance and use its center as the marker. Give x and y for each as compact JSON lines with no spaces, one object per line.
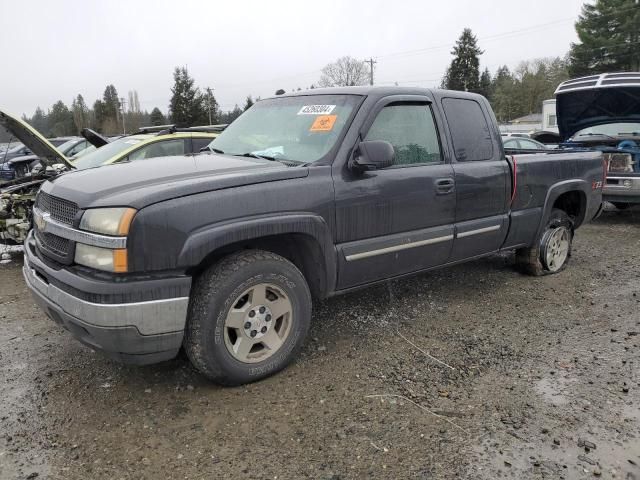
{"x":471,"y":372}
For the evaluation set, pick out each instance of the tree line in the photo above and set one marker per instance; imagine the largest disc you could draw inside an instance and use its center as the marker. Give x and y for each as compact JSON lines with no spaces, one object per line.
{"x":112,"y":114}
{"x":609,"y":40}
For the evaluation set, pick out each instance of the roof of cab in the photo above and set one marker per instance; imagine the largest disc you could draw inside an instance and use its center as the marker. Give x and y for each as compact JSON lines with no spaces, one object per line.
{"x":380,"y":91}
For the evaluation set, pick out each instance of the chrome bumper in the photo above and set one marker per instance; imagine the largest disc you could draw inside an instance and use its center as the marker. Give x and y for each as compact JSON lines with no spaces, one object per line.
{"x":149,"y":318}
{"x":622,"y":186}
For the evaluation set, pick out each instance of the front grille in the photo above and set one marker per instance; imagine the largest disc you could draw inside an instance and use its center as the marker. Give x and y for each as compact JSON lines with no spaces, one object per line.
{"x":54,"y":244}
{"x":60,"y":209}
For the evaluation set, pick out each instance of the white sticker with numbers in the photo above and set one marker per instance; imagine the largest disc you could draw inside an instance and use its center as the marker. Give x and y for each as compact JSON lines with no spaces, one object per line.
{"x":316,"y":110}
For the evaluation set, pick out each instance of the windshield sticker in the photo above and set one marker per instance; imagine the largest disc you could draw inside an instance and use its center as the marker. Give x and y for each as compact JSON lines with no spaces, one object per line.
{"x":323,"y":123}
{"x":316,"y":110}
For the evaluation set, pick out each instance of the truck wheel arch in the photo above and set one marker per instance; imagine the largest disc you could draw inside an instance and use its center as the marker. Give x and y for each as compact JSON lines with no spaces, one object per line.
{"x":304,"y":239}
{"x":569,"y":196}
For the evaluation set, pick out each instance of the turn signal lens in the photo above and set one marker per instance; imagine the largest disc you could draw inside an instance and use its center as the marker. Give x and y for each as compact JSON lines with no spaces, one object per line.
{"x":104,"y":259}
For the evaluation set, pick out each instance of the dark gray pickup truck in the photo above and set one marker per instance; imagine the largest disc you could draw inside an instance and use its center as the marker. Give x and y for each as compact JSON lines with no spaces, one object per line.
{"x":308,"y":195}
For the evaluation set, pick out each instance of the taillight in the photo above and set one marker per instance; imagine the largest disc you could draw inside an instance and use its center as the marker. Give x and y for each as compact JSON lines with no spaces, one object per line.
{"x":618,"y":162}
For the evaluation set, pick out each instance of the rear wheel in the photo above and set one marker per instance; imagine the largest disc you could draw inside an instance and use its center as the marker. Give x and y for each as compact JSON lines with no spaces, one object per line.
{"x":248,"y":317}
{"x":552,"y":252}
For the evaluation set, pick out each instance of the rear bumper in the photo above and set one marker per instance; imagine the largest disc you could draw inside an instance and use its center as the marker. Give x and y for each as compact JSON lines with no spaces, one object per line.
{"x":622,"y":189}
{"x":137,"y":332}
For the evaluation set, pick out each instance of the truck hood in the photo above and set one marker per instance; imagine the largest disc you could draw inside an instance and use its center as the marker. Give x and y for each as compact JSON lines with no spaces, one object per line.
{"x":596,"y":106}
{"x":33,"y":140}
{"x":142,"y":183}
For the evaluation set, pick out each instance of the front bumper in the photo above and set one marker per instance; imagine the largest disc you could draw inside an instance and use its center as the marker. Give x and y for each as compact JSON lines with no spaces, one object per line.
{"x":140,"y":332}
{"x":622,"y":189}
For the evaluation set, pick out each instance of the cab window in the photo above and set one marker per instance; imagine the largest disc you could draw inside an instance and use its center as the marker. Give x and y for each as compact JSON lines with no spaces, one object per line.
{"x":411,"y":130}
{"x":469,"y":129}
{"x":158,"y":149}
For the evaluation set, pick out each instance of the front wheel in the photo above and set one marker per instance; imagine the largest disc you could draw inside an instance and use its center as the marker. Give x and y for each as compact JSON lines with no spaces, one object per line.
{"x":552,"y":252}
{"x":248,"y":317}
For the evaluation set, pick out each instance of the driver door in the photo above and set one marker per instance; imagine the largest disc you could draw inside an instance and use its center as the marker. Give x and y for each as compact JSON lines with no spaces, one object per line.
{"x":399,"y":219}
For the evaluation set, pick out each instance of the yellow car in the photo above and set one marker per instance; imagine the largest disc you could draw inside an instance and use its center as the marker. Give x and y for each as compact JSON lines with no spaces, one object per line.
{"x":164,"y":141}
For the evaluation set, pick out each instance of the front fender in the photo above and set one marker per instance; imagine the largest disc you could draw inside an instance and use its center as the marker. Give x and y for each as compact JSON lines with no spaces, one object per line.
{"x":205,"y":241}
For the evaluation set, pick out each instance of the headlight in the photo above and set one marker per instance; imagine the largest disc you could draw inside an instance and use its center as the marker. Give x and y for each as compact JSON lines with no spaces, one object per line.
{"x":105,"y":221}
{"x":108,"y":221}
{"x":101,"y":258}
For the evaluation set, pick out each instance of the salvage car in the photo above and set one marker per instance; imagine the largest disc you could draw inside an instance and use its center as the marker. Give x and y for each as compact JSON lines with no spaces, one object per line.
{"x":602,"y":112}
{"x":16,"y":197}
{"x":310,"y":194}
{"x":20,"y":166}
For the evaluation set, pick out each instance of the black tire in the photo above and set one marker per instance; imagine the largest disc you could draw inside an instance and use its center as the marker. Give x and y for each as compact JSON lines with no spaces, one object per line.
{"x":530,"y":260}
{"x":212,"y":297}
{"x":621,"y":205}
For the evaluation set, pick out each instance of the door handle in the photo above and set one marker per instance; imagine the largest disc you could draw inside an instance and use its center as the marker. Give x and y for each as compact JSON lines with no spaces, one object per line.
{"x":445,"y":186}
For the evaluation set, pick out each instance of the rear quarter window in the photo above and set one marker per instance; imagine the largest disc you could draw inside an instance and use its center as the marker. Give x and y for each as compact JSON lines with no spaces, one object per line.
{"x":469,"y":129}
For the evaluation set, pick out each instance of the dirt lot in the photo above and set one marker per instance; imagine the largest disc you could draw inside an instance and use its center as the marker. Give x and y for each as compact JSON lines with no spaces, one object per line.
{"x":471,"y":372}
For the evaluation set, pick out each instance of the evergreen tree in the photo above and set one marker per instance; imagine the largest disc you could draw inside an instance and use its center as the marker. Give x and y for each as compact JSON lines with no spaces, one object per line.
{"x":187,"y":105}
{"x":111,"y":111}
{"x":98,"y":116}
{"x":248,"y":104}
{"x":60,"y":120}
{"x":80,"y":113}
{"x":39,"y":121}
{"x":609,"y":33}
{"x":503,"y":99}
{"x":485,"y":84}
{"x":280,"y":91}
{"x":157,"y":118}
{"x":464,"y":71}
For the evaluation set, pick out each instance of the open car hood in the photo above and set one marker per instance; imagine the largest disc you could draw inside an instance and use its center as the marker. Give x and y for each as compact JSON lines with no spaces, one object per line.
{"x":33,"y":140}
{"x":94,"y":138}
{"x":597,"y":100}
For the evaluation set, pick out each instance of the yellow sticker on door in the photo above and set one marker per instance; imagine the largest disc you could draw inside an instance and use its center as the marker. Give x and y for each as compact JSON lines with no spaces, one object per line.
{"x":323,"y":123}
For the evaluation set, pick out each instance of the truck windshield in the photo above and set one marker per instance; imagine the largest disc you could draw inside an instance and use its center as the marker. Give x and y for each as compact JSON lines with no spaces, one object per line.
{"x":290,"y":129}
{"x":610,"y":130}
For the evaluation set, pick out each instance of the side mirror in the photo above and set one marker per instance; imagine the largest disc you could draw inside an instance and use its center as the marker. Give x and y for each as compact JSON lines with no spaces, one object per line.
{"x":373,"y":155}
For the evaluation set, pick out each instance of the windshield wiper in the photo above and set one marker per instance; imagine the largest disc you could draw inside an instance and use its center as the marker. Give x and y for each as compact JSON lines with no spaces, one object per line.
{"x":596,"y":135}
{"x":284,"y":161}
{"x":255,"y":155}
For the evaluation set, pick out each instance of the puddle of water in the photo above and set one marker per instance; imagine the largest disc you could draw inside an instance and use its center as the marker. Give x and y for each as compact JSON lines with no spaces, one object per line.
{"x":507,"y":457}
{"x":555,"y":390}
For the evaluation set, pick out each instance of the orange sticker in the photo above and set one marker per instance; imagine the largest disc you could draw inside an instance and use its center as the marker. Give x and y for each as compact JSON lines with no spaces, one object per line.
{"x":323,"y":123}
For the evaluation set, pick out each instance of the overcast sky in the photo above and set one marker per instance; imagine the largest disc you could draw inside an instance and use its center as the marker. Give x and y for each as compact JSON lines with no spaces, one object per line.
{"x":54,"y":50}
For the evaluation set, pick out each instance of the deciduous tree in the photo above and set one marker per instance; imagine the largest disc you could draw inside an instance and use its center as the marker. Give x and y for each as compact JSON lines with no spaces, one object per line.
{"x":344,"y":72}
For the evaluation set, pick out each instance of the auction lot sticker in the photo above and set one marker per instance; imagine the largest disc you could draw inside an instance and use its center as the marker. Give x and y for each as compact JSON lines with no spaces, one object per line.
{"x":316,"y":110}
{"x":323,"y":123}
